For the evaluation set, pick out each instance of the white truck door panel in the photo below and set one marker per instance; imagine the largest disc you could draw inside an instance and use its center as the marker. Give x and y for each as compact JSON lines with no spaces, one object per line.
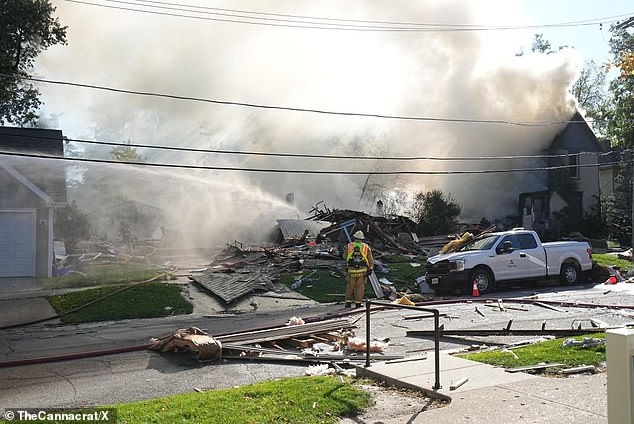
{"x":532,"y":255}
{"x":507,"y":265}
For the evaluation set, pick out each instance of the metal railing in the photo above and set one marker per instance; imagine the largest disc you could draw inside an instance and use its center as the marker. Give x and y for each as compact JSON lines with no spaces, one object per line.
{"x":436,"y":312}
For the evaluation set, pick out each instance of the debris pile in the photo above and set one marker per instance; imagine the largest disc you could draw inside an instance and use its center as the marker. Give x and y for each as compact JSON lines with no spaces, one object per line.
{"x":191,"y":339}
{"x":328,"y":341}
{"x":310,"y":244}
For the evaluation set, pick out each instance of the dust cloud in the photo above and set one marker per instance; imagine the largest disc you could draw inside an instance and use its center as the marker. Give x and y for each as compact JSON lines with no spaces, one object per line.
{"x":465,"y":75}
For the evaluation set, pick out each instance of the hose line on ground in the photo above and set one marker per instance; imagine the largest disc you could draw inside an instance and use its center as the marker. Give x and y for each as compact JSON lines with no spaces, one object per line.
{"x":37,"y":321}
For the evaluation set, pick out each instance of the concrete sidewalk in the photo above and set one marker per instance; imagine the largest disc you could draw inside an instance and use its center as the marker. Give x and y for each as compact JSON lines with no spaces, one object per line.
{"x":491,"y":395}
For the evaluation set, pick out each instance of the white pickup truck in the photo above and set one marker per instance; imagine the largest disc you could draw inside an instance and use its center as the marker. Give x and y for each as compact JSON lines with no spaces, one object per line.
{"x":495,"y":258}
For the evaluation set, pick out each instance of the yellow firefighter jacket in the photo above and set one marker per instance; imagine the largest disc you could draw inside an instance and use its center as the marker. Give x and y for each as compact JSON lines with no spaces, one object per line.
{"x":359,"y":258}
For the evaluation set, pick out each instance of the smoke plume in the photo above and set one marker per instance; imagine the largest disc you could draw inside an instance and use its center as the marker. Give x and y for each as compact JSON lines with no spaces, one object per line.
{"x":466,"y":75}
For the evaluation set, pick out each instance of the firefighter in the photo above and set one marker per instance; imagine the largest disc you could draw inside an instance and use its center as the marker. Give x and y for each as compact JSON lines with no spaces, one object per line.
{"x":360,"y":263}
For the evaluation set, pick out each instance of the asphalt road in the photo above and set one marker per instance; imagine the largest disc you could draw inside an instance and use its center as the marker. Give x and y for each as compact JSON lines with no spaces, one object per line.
{"x":145,"y":374}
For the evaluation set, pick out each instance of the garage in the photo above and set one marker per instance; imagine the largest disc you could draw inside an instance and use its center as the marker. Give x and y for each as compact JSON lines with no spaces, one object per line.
{"x":17,"y":243}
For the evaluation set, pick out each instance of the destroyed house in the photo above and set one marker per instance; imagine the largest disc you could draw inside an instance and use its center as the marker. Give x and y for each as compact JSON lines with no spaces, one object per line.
{"x":30,"y":190}
{"x":572,"y":181}
{"x":143,"y":220}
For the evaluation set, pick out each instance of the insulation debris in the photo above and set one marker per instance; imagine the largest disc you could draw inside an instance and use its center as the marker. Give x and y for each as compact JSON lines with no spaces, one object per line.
{"x":584,"y":343}
{"x":357,"y":344}
{"x":190,"y":339}
{"x":295,"y":321}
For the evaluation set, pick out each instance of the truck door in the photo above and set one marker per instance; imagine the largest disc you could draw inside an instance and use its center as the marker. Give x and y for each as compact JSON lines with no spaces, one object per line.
{"x":532,"y":256}
{"x":507,"y":262}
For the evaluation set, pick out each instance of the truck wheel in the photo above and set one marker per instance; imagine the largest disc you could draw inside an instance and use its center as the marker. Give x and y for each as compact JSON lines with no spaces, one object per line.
{"x":570,"y":273}
{"x":483,"y":279}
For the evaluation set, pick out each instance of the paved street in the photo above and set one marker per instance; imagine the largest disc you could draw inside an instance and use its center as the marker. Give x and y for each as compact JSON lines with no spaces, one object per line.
{"x":144,"y":374}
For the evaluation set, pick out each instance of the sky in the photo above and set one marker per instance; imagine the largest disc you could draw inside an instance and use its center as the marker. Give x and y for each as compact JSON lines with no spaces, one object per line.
{"x":455,"y":75}
{"x":591,"y":40}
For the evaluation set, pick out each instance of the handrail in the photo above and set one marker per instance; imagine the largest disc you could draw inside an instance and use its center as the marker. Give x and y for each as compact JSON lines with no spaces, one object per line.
{"x":436,"y":312}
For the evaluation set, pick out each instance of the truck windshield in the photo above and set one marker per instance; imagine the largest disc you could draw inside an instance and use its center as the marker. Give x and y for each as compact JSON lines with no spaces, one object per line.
{"x":483,"y":243}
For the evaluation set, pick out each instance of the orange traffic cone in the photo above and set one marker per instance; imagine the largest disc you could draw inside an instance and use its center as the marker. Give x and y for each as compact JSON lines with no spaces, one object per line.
{"x":611,"y":280}
{"x":475,"y":292}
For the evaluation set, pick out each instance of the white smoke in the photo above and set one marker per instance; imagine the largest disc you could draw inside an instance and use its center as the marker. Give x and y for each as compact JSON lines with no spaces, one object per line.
{"x":445,"y":74}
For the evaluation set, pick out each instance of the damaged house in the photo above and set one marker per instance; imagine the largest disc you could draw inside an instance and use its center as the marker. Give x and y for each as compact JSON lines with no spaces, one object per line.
{"x":29,"y":195}
{"x":572,"y":182}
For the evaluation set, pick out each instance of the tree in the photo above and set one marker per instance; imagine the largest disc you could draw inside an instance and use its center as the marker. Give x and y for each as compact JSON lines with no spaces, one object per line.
{"x":590,"y":90}
{"x":71,"y":225}
{"x":620,"y":131}
{"x":27,"y":27}
{"x":621,"y":126}
{"x":126,"y":154}
{"x":435,"y":213}
{"x":541,"y":45}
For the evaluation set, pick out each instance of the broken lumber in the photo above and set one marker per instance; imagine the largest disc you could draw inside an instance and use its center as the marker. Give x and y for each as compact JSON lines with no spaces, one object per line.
{"x":506,"y":332}
{"x":534,"y":367}
{"x":458,"y":383}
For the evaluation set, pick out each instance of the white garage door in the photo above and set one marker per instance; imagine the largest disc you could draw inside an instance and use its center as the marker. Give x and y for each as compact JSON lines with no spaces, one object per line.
{"x":17,"y":244}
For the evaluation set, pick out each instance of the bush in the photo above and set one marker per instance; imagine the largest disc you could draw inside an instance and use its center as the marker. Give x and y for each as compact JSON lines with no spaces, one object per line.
{"x":435,"y":213}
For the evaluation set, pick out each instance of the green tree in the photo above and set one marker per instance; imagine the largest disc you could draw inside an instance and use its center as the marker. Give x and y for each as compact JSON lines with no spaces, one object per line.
{"x":591,"y":92}
{"x":71,"y":225}
{"x":621,"y":126}
{"x":126,"y":154}
{"x":620,"y":132}
{"x":435,"y":212}
{"x":27,"y":27}
{"x":541,"y":45}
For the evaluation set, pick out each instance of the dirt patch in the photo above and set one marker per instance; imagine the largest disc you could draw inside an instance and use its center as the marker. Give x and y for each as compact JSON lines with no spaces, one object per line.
{"x":391,"y":403}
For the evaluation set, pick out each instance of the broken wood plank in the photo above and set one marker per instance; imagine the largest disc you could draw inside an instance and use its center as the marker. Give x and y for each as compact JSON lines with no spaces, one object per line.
{"x":397,"y":361}
{"x":577,"y":370}
{"x":286,"y":332}
{"x":501,"y":305}
{"x":479,"y":312}
{"x":378,"y":291}
{"x":508,"y":307}
{"x":547,"y":306}
{"x":422,"y":316}
{"x":506,"y":332}
{"x":458,"y":383}
{"x":303,"y":343}
{"x":320,"y":339}
{"x":534,"y":367}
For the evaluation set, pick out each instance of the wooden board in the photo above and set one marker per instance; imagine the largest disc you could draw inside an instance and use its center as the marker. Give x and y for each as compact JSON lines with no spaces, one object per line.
{"x":378,"y":291}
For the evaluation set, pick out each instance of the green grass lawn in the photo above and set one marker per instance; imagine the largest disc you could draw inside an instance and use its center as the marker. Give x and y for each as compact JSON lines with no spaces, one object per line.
{"x":550,"y":351}
{"x":604,"y":259}
{"x":102,"y":274}
{"x":147,"y":300}
{"x":326,"y":285}
{"x":294,"y":400}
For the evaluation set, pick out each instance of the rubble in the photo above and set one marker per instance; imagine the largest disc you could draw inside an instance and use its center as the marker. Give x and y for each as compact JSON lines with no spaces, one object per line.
{"x":191,"y":339}
{"x":301,"y":245}
{"x":328,"y":341}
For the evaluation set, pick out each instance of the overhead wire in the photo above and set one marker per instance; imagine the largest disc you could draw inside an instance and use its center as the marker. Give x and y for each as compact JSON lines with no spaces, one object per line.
{"x":313,"y":155}
{"x":298,"y":109}
{"x":257,"y":13}
{"x":307,"y":171}
{"x":299,"y":21}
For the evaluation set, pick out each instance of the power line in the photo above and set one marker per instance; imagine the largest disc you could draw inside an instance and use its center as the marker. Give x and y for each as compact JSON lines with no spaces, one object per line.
{"x":298,"y":109}
{"x":312,"y":155}
{"x":306,"y":171}
{"x":308,"y":22}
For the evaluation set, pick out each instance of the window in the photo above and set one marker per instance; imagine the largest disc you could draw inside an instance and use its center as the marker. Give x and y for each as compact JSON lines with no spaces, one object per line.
{"x":514,"y":241}
{"x":573,"y":165}
{"x":527,"y":241}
